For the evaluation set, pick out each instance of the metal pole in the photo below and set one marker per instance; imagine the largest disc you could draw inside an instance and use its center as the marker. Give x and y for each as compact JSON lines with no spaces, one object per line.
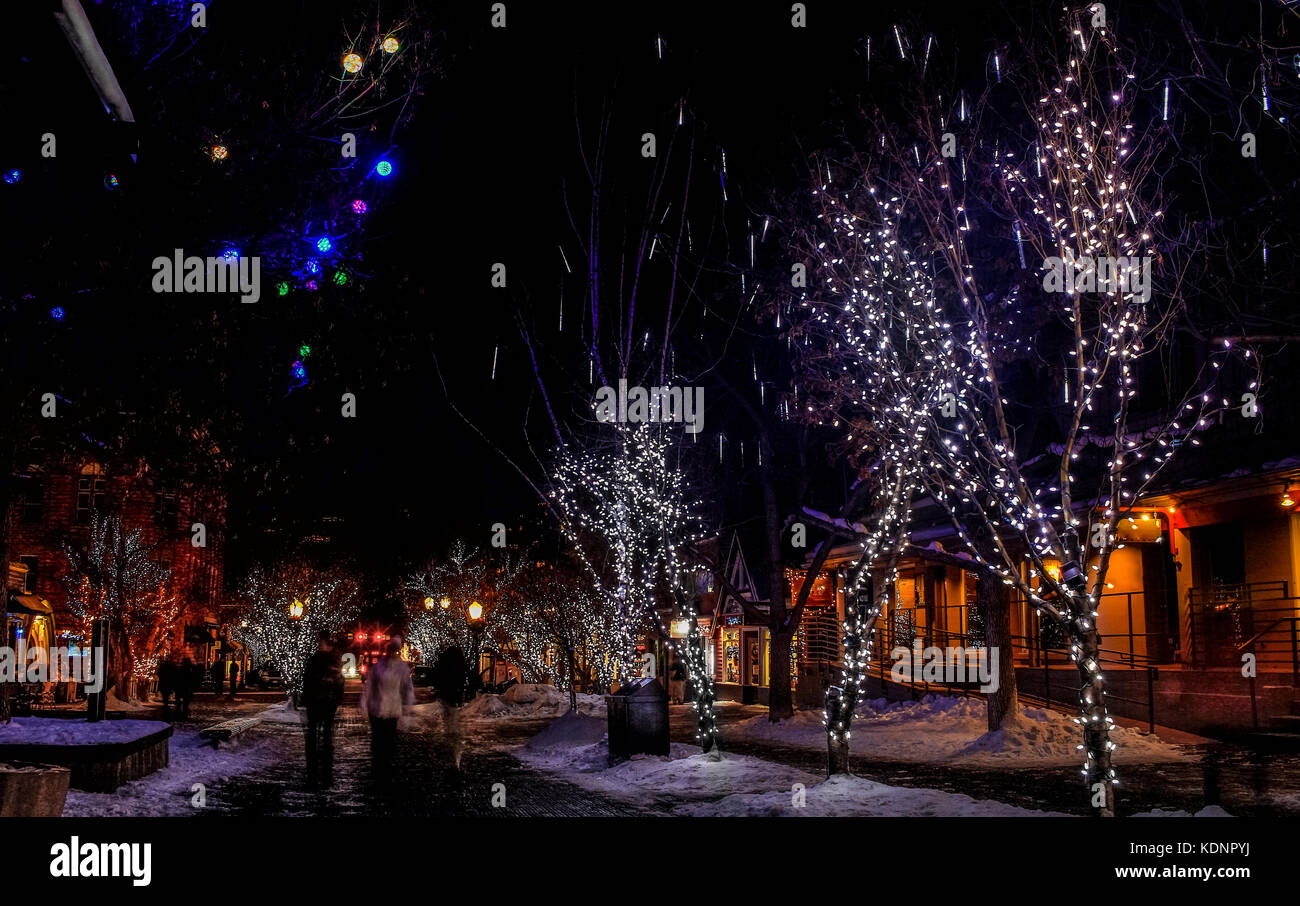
{"x":1254,"y":710}
{"x":1151,"y":699}
{"x":1295,"y":656}
{"x":96,"y":701}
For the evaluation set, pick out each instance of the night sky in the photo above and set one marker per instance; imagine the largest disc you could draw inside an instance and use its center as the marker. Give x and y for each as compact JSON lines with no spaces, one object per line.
{"x":485,"y":167}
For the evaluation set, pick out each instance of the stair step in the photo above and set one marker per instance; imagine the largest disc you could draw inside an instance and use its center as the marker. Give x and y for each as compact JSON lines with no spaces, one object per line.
{"x":1273,"y":740}
{"x":1287,"y":722}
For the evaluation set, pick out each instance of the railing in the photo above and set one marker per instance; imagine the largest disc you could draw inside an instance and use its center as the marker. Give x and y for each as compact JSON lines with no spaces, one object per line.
{"x":1224,"y":623}
{"x":1067,"y":687}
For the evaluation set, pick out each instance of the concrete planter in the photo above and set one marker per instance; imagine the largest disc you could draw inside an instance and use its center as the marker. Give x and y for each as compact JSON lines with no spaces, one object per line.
{"x":33,"y":790}
{"x":98,"y":768}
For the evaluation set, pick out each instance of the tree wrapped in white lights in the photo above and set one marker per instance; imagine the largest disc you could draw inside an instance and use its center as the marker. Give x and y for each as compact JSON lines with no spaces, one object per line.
{"x":906,"y":351}
{"x":117,"y":575}
{"x":560,"y":630}
{"x":442,"y":593}
{"x":286,"y":606}
{"x":623,"y":507}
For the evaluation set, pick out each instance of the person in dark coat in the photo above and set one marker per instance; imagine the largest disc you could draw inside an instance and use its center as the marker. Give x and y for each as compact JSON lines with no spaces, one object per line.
{"x":218,"y":676}
{"x":234,"y":677}
{"x":188,"y":674}
{"x":322,"y":693}
{"x":451,"y":680}
{"x":167,"y":680}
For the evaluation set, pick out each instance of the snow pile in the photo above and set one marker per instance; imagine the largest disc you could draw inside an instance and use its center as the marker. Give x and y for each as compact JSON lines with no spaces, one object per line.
{"x":1210,"y":811}
{"x":942,"y":728}
{"x":531,"y":700}
{"x":485,"y":706}
{"x":575,"y":740}
{"x":855,"y":797}
{"x":170,"y":792}
{"x":58,"y":731}
{"x":113,"y":703}
{"x":572,"y":730}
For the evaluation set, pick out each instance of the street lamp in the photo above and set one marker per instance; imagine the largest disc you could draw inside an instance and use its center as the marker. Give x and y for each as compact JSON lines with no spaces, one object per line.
{"x":428,"y":603}
{"x":445,"y":602}
{"x":296,"y":609}
{"x":475,"y":614}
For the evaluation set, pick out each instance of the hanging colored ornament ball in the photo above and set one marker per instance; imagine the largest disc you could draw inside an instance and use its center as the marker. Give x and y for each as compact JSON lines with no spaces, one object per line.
{"x":110,"y":182}
{"x":282,"y":288}
{"x":13,"y":176}
{"x":352,"y":62}
{"x":57,"y":312}
{"x":340,"y":278}
{"x":384,"y":168}
{"x":359,"y":207}
{"x":312,"y":285}
{"x":313,"y":266}
{"x":303,"y":351}
{"x":299,"y":370}
{"x":391,"y":44}
{"x":220,"y":152}
{"x":323,"y":244}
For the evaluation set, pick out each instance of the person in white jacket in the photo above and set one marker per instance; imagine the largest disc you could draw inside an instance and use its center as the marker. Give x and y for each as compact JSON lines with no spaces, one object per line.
{"x":387,"y":692}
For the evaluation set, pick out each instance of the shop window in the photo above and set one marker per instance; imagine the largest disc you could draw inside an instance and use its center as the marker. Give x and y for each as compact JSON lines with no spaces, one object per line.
{"x":731,"y":655}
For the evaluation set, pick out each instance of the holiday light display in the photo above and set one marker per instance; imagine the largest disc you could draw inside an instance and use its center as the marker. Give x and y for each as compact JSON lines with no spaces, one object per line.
{"x":116,"y":575}
{"x":325,"y":600}
{"x":463,"y":578}
{"x":904,"y":353}
{"x":623,"y":505}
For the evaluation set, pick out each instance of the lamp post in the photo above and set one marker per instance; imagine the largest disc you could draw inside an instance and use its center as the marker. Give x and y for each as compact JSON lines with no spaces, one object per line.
{"x":475,"y":614}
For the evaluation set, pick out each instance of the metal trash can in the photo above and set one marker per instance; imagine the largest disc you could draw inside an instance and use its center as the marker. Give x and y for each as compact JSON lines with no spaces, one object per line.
{"x":638,"y":719}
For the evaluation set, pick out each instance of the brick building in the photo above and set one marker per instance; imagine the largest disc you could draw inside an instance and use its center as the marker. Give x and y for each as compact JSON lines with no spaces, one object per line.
{"x":52,"y":509}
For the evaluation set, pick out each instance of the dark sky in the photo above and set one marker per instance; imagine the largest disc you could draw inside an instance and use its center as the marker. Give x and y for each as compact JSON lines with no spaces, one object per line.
{"x":484,"y":172}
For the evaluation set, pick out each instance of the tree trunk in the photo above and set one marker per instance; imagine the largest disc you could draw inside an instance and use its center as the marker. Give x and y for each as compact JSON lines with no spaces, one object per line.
{"x":994,"y":605}
{"x":573,"y":681}
{"x":837,"y":744}
{"x":1096,"y":725}
{"x":121,"y":665}
{"x":780,"y":695}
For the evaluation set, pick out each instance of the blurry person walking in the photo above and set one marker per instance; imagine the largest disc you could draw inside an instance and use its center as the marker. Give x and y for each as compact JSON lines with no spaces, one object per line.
{"x":451,"y":680}
{"x":387,"y":691}
{"x":234,"y":678}
{"x":167,"y":677}
{"x":322,"y":693}
{"x":188,"y":677}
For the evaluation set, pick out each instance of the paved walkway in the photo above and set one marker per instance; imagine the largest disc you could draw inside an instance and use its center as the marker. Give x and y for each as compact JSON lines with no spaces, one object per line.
{"x":426,"y":784}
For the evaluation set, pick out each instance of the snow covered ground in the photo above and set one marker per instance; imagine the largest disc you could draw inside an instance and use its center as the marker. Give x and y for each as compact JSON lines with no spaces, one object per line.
{"x":953,"y":730}
{"x":687,"y":782}
{"x":170,"y":792}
